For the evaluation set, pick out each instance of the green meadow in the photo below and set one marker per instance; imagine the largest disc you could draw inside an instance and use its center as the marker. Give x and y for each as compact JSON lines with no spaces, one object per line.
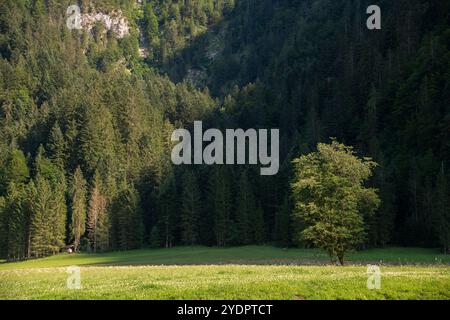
{"x":230,"y":273}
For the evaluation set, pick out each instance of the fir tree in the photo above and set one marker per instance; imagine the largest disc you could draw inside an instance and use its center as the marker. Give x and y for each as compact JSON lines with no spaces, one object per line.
{"x":191,"y":207}
{"x":282,"y":223}
{"x":257,"y":226}
{"x":155,"y":238}
{"x":127,"y":225}
{"x":48,"y":217}
{"x":441,"y":216}
{"x":167,"y":212}
{"x":48,"y":210}
{"x":78,"y":197}
{"x":245,"y":211}
{"x":15,"y":170}
{"x":151,"y":26}
{"x":3,"y":229}
{"x":57,"y":147}
{"x":220,"y":198}
{"x":14,"y":223}
{"x":97,"y":218}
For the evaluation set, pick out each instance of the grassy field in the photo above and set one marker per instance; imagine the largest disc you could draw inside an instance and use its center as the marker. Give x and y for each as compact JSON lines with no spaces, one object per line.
{"x":233,"y":273}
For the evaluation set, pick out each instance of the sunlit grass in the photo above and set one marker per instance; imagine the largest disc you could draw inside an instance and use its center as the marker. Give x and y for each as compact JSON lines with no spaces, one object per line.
{"x":230,"y":273}
{"x":227,"y":282}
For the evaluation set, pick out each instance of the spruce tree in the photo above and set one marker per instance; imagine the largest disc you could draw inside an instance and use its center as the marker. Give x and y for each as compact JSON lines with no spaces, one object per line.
{"x":15,"y":170}
{"x":14,"y":223}
{"x":48,"y":210}
{"x":282,"y":223}
{"x":257,"y":226}
{"x":155,"y":238}
{"x":57,"y":146}
{"x":190,"y":210}
{"x":127,"y":225}
{"x":48,"y":217}
{"x":220,"y":198}
{"x":78,"y":197}
{"x":3,"y":228}
{"x":441,"y":215}
{"x":97,"y":224}
{"x":245,"y":211}
{"x":166,"y":223}
{"x":151,"y":26}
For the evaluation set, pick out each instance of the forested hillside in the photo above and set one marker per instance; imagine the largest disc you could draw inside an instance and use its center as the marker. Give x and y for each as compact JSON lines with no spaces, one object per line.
{"x":86,"y":118}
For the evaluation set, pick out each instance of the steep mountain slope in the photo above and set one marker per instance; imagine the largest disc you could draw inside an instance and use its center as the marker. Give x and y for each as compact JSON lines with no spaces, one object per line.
{"x":99,"y":101}
{"x":318,"y":72}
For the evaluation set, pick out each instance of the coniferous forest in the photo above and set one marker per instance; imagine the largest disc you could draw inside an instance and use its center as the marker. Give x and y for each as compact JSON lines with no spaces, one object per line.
{"x":86,"y":117}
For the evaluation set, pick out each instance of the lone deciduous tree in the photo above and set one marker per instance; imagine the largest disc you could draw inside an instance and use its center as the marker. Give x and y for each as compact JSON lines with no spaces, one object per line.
{"x":331,"y":199}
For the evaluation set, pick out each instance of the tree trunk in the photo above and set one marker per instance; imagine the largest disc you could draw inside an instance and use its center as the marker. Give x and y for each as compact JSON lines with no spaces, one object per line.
{"x":341,"y":259}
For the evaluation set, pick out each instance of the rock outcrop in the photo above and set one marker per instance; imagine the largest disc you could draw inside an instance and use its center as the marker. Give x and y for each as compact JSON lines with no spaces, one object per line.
{"x":114,"y":21}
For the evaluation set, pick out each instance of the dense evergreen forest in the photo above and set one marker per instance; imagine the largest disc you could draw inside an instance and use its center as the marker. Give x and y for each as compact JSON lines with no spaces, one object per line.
{"x":86,"y":118}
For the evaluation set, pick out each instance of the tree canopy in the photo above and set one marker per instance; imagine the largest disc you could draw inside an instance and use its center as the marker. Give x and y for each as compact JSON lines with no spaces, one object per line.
{"x":331,"y":199}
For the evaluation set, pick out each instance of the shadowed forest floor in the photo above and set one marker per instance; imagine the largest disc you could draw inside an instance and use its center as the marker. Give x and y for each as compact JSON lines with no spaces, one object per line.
{"x":236,"y":255}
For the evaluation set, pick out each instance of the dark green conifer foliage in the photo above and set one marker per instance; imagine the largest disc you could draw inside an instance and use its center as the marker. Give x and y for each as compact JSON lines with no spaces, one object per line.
{"x":98,"y":217}
{"x":441,"y":217}
{"x":313,"y":71}
{"x":246,"y":208}
{"x":190,"y":209}
{"x":79,"y":208}
{"x":167,"y":214}
{"x":283,"y":235}
{"x":14,"y":223}
{"x":221,"y":204}
{"x":57,"y":147}
{"x":128,"y":228}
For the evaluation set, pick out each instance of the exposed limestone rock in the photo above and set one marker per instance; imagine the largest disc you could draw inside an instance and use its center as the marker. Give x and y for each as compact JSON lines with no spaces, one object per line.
{"x":114,"y":21}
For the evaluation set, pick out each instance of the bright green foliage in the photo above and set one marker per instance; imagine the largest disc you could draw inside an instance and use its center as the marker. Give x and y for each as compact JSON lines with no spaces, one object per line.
{"x":151,"y":21}
{"x":331,"y":199}
{"x":15,"y":170}
{"x":151,"y":29}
